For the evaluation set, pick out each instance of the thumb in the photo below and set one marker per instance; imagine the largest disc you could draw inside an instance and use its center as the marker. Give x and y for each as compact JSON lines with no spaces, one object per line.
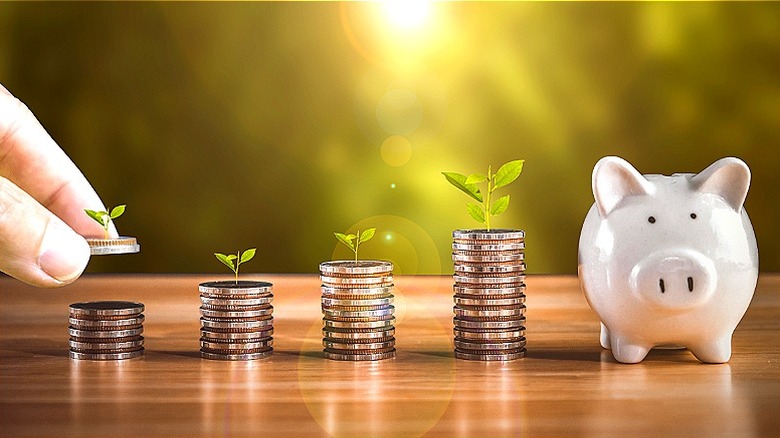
{"x":36,"y":246}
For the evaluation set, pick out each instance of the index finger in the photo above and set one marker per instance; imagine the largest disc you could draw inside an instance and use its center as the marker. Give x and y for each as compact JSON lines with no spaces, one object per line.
{"x":32,"y":160}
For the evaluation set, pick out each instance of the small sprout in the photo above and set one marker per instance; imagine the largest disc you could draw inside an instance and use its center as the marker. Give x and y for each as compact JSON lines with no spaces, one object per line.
{"x":353,"y":241}
{"x":233,"y":261}
{"x":104,"y":218}
{"x":468,"y":184}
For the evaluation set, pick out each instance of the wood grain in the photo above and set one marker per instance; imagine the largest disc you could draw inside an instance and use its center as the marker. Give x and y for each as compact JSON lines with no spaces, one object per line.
{"x":567,"y":385}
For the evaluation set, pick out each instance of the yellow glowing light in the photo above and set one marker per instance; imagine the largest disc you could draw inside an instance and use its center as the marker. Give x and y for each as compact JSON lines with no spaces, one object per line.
{"x":407,"y":13}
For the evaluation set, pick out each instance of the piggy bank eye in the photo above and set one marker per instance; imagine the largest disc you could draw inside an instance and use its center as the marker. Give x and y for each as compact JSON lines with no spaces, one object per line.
{"x":693,"y":215}
{"x":651,"y":219}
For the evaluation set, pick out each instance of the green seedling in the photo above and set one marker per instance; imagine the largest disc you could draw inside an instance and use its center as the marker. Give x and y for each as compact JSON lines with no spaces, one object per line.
{"x":353,"y":241}
{"x":233,"y":261}
{"x":483,"y":211}
{"x":104,"y":218}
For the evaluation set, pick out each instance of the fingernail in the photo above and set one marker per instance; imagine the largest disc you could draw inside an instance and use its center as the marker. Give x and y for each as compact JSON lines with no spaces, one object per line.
{"x":64,"y":254}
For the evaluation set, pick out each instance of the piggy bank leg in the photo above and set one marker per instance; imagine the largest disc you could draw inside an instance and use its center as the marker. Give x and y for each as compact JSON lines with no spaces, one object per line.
{"x":604,"y":337}
{"x":627,"y":351}
{"x":715,"y":351}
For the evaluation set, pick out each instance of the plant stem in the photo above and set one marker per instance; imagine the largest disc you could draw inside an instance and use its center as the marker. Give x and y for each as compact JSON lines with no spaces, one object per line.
{"x":238,"y":263}
{"x":357,"y":244}
{"x":487,"y":198}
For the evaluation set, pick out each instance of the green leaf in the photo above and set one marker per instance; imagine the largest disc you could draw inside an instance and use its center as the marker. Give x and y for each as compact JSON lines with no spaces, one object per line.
{"x":500,"y":205}
{"x":459,"y":181}
{"x":476,"y":178}
{"x":97,"y":216}
{"x":365,"y":236}
{"x":476,"y":212}
{"x":247,"y":255}
{"x":232,"y":257}
{"x":227,"y":261}
{"x":508,"y":173}
{"x":117,"y":211}
{"x":346,"y":239}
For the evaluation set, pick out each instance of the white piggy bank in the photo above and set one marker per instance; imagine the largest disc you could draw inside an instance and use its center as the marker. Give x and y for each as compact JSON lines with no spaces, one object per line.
{"x":668,"y":260}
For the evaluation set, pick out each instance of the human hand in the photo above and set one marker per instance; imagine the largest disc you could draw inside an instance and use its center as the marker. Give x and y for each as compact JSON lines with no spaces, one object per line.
{"x":42,"y":200}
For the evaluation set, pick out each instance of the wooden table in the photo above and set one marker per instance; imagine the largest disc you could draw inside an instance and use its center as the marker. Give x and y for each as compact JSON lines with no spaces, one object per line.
{"x":567,"y":385}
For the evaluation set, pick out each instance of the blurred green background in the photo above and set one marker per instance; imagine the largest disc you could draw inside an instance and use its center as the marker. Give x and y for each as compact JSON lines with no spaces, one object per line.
{"x":231,"y":125}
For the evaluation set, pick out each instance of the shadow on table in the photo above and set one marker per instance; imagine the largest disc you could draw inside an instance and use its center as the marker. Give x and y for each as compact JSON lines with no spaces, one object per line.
{"x":589,"y":355}
{"x":187,"y":353}
{"x":312,"y":354}
{"x":447,"y":354}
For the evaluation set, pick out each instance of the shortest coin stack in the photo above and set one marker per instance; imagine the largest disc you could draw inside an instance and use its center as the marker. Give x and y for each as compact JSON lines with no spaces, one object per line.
{"x":358,"y":313}
{"x":106,"y":330}
{"x":489,"y":294}
{"x":237,"y":320}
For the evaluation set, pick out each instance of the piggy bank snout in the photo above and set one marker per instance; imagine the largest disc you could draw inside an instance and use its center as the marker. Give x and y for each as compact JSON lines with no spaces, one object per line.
{"x":674,"y":280}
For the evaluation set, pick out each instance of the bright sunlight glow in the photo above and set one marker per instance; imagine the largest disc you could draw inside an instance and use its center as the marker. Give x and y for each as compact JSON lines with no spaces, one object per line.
{"x":407,"y":13}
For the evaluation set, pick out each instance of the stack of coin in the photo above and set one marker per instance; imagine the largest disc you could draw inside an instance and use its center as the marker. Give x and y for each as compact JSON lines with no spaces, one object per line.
{"x":357,"y":304}
{"x":489,"y":294}
{"x":237,"y":320}
{"x":106,"y":330}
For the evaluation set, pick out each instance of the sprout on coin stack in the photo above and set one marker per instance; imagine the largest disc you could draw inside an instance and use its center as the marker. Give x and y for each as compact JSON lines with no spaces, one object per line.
{"x":106,"y":330}
{"x":357,"y":305}
{"x":236,"y":315}
{"x":489,"y":290}
{"x":108,"y":245}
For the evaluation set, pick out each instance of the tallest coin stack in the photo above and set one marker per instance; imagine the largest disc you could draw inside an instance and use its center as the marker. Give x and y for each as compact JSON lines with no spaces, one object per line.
{"x":489,"y":294}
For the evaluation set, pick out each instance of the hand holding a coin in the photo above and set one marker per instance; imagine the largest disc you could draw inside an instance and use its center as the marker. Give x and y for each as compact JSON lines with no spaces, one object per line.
{"x":42,"y":200}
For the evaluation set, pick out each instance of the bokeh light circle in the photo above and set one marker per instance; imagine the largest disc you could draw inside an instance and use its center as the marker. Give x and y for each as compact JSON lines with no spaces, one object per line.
{"x":399,"y":112}
{"x":398,"y":239}
{"x":413,"y":106}
{"x":367,"y":398}
{"x":382,"y":399}
{"x":396,"y":150}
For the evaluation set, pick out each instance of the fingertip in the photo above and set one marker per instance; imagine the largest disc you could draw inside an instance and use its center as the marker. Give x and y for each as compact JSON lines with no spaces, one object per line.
{"x":63,"y":255}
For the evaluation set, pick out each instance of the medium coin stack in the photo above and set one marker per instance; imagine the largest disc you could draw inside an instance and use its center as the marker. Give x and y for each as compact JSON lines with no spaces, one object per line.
{"x":237,"y":320}
{"x":106,"y":330}
{"x":489,"y":294}
{"x":358,"y":312}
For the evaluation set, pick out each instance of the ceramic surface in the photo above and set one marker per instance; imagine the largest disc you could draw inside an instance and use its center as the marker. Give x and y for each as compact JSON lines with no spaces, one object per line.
{"x":668,"y":260}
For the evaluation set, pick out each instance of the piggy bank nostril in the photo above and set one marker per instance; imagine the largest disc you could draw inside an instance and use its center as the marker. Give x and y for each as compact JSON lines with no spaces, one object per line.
{"x":661,"y":283}
{"x":690,"y":284}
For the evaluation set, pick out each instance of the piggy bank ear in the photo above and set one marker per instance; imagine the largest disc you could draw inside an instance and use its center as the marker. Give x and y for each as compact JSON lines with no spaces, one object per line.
{"x":728,"y":178}
{"x":614,"y":179}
